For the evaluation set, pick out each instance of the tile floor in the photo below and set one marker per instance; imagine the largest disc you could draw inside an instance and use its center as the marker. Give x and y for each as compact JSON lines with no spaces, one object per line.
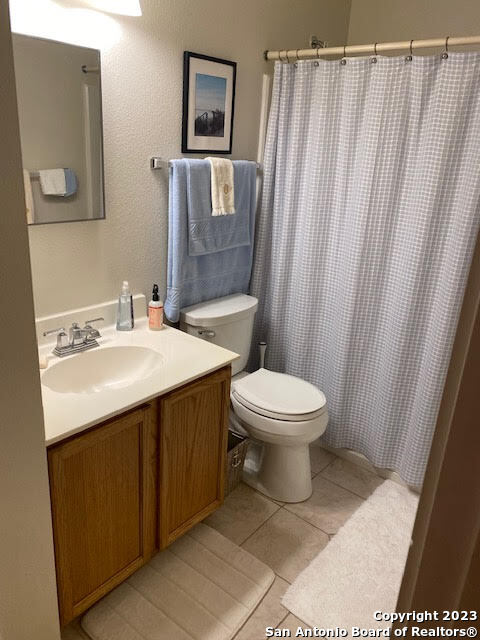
{"x":288,"y":536}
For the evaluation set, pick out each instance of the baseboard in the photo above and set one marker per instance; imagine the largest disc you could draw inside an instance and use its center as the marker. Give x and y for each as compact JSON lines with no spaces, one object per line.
{"x":362,"y":461}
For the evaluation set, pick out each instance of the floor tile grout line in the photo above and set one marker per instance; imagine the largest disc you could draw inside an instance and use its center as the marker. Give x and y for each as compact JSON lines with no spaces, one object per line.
{"x":311,"y":523}
{"x":260,"y":526}
{"x":371,"y":471}
{"x":271,"y":516}
{"x":285,"y":508}
{"x":259,"y":604}
{"x":357,"y":495}
{"x":323,"y":468}
{"x":329,"y":462}
{"x":283,"y":619}
{"x":350,"y":490}
{"x":330,"y":535}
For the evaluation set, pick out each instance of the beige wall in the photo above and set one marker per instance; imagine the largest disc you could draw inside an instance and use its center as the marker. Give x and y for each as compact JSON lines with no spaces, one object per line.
{"x":390,"y":20}
{"x":84,"y":263}
{"x":28,"y":603}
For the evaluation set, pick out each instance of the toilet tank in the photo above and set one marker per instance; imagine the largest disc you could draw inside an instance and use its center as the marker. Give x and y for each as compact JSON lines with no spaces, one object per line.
{"x":226,"y":321}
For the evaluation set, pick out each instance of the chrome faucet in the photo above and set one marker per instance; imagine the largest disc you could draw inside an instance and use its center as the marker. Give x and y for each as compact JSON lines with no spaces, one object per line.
{"x":78,"y":339}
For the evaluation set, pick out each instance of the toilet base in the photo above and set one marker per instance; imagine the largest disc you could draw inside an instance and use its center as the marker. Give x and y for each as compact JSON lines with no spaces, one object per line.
{"x":281,"y":472}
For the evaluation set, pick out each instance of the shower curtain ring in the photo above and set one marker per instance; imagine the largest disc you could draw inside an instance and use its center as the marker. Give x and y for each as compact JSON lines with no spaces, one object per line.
{"x":344,"y":59}
{"x":288,"y":59}
{"x":409,"y":58}
{"x":374,"y":59}
{"x":445,"y":53}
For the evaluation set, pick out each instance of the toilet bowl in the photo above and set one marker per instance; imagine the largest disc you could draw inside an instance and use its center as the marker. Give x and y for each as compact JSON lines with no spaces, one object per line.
{"x":282,"y":413}
{"x":285,"y":414}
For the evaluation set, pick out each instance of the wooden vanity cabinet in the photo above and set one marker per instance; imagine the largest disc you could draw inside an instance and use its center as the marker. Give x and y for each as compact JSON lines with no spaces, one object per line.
{"x":193,"y":448}
{"x":103,"y":495}
{"x":134,"y":484}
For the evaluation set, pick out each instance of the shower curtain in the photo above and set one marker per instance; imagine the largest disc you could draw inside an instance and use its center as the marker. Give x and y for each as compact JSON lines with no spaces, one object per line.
{"x":367,"y":224}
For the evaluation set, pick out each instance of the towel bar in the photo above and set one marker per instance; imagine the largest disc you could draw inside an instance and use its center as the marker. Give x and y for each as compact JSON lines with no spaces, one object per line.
{"x":159,"y":163}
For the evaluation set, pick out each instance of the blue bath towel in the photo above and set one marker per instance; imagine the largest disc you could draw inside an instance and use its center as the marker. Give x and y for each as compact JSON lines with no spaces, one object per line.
{"x":70,"y":182}
{"x":208,"y":233}
{"x":192,"y":279}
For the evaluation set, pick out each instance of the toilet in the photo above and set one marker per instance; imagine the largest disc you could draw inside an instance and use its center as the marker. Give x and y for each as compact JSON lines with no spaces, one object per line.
{"x":281,"y":413}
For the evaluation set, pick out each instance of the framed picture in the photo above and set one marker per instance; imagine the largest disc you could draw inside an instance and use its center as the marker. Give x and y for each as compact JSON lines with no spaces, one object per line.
{"x":208,"y":104}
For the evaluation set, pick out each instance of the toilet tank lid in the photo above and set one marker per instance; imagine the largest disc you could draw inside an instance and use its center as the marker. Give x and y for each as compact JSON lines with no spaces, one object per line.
{"x":219,"y":311}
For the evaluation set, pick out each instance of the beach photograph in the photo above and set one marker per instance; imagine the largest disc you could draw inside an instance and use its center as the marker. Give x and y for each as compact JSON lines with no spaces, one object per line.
{"x":210,"y":95}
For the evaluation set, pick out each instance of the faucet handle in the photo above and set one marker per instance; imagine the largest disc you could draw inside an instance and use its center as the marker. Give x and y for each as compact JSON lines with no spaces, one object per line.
{"x":50,"y":331}
{"x":62,"y":338}
{"x":91,"y":333}
{"x":88,"y":322}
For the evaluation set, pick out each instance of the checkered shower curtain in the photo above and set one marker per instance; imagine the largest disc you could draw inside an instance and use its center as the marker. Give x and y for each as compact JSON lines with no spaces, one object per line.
{"x":368,"y":219}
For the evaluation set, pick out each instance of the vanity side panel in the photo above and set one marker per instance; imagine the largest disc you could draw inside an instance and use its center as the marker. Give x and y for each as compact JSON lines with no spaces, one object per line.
{"x":104,"y":507}
{"x":192,"y":448}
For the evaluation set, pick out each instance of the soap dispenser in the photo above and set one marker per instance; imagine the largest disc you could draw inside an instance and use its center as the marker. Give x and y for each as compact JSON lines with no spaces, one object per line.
{"x":125,"y":309}
{"x":155,"y":311}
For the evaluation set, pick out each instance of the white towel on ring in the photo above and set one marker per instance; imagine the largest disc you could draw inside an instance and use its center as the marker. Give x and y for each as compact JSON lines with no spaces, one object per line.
{"x":53,"y":182}
{"x":221,"y":183}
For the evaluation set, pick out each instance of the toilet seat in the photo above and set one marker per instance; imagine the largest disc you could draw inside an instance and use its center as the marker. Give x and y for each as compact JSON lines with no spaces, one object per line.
{"x":279,"y":396}
{"x":268,"y":429}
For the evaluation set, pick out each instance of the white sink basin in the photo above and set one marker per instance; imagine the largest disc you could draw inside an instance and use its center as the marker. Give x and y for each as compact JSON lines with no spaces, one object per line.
{"x":102,"y":369}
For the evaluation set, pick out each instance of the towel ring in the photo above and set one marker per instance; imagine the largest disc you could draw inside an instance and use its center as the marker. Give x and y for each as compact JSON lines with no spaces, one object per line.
{"x":409,"y":58}
{"x":445,"y":53}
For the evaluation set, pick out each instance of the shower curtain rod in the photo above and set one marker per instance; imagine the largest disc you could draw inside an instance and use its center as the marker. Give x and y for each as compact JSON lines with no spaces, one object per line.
{"x":292,"y":55}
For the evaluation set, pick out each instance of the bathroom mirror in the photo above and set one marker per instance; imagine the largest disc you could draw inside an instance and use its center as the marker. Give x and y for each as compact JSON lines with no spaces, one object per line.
{"x":60,"y":113}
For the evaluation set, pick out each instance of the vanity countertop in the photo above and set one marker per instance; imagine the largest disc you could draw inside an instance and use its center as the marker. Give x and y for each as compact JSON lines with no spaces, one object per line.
{"x":185,"y":358}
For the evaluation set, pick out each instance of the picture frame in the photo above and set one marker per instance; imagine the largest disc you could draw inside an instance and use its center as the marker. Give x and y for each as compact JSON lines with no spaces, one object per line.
{"x":208,"y":104}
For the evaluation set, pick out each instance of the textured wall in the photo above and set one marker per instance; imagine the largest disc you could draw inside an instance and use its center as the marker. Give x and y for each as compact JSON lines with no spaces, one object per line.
{"x":84,"y":263}
{"x":390,"y":20}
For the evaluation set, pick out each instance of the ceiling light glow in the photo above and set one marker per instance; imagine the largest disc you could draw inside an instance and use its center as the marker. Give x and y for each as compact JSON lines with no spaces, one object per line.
{"x":122,"y":7}
{"x":50,"y":19}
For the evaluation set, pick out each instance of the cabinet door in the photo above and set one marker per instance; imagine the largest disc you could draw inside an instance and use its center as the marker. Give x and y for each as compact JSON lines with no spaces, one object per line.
{"x":193,"y":447}
{"x":103,"y":493}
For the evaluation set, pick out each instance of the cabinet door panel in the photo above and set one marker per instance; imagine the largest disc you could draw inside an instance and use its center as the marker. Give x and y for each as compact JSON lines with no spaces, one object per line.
{"x":101,"y":489}
{"x":193,"y":442}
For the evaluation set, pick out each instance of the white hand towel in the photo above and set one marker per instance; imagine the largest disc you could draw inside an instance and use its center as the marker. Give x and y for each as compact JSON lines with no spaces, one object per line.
{"x":223,"y":196}
{"x":53,"y":182}
{"x":27,"y":183}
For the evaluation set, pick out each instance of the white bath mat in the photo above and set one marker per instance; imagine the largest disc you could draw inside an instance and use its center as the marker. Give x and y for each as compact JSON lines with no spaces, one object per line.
{"x":203,"y":587}
{"x":360,"y":570}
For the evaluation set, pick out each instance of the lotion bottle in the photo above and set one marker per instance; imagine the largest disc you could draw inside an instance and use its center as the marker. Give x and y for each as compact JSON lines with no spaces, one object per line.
{"x":155,"y":311}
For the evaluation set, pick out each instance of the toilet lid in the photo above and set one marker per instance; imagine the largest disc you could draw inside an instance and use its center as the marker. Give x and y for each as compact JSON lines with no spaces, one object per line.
{"x":279,"y":394}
